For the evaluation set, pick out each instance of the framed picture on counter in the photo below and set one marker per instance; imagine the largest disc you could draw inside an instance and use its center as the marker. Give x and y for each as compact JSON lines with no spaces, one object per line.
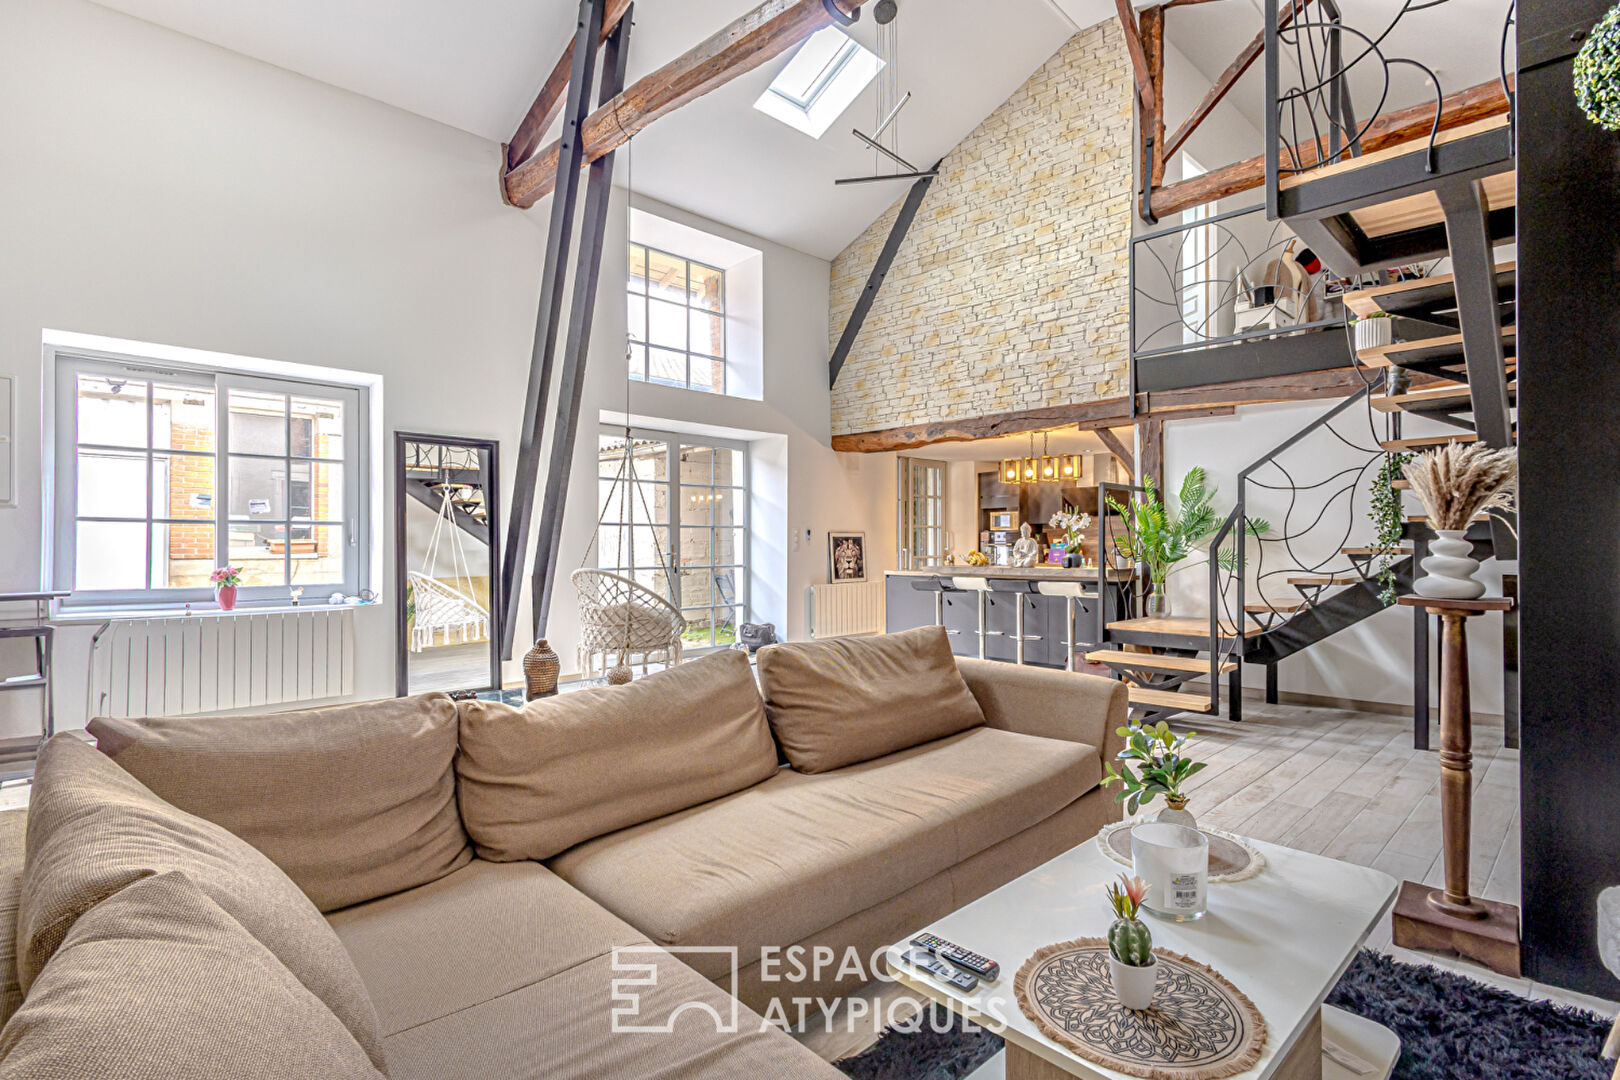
{"x":846,"y":557}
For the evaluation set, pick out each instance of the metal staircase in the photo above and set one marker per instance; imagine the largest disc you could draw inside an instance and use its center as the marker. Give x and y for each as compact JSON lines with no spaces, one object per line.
{"x":1449,"y":193}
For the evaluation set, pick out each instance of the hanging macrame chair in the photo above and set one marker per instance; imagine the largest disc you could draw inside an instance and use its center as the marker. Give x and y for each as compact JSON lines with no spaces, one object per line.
{"x":445,"y":610}
{"x":619,"y":618}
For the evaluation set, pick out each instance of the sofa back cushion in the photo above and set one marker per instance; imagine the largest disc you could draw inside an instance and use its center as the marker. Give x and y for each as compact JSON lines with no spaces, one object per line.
{"x":158,"y":980}
{"x":353,"y":801}
{"x":836,"y":702}
{"x":94,"y":830}
{"x":536,"y":781}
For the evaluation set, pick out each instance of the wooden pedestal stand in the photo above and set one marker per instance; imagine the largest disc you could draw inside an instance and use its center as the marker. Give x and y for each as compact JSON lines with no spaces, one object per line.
{"x":1449,"y":919}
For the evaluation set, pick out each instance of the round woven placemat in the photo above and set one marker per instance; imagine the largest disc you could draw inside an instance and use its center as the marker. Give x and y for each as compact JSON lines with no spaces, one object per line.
{"x":1231,"y":858}
{"x":1200,"y":1027}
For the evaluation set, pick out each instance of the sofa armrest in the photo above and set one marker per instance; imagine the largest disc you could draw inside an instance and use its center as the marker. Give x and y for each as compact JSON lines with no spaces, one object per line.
{"x":1049,"y":703}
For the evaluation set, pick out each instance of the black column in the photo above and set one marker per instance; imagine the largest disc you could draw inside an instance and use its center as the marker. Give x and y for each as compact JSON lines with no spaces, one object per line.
{"x":1569,"y":568}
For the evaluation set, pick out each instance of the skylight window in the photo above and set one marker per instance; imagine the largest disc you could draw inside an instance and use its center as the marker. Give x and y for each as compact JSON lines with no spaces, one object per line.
{"x":826,"y":75}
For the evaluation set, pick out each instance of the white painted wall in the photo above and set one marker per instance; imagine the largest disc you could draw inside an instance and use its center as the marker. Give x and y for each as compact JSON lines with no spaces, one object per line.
{"x":1371,"y":661}
{"x":160,"y":189}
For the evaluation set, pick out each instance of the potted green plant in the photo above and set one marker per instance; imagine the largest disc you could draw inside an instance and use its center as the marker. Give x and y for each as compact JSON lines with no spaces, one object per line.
{"x":1158,"y":541}
{"x":1374,"y":329}
{"x":1161,"y":770}
{"x":1389,"y":523}
{"x":1131,"y":963}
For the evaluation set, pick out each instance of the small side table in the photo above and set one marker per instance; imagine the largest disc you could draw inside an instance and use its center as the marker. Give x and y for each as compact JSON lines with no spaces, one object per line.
{"x":1450,"y":919}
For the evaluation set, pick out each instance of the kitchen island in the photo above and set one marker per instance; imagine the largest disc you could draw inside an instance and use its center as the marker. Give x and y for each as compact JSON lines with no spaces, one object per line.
{"x":1046,"y":594}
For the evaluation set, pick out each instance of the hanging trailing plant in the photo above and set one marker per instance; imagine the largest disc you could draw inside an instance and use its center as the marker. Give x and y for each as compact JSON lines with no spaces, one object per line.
{"x":1597,"y":73}
{"x":1389,"y":523}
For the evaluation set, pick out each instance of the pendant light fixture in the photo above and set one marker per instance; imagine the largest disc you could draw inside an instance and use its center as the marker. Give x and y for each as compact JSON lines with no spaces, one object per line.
{"x":1029,"y":470}
{"x":1070,"y":469}
{"x":1049,"y":464}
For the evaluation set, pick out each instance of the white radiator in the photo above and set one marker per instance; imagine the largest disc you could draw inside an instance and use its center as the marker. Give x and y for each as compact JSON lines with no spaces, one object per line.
{"x":844,"y":610}
{"x":169,"y":666}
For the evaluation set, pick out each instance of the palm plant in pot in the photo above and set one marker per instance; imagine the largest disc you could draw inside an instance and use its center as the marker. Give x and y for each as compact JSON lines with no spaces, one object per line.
{"x":1131,"y":963}
{"x":1158,"y":541}
{"x":1456,"y":482}
{"x":1161,"y":770}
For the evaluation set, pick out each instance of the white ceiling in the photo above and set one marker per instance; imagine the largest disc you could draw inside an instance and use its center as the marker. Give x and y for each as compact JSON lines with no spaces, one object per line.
{"x":1459,"y":40}
{"x":476,"y":66}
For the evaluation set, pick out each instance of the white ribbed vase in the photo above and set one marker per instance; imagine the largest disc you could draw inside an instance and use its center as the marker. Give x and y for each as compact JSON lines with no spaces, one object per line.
{"x":1448,"y":571}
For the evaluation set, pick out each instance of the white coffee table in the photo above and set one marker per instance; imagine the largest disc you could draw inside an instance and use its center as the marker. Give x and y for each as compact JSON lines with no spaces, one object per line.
{"x":1283,"y":938}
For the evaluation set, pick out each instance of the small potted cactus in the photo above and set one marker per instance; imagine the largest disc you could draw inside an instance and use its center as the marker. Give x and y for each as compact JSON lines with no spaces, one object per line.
{"x":1131,"y":963}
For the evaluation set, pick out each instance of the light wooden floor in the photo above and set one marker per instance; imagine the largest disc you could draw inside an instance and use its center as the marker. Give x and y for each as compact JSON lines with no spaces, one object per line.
{"x":1339,"y":783}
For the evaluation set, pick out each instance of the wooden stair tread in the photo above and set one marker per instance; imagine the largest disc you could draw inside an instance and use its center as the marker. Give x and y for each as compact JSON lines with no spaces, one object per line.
{"x":1325,"y":579}
{"x":1364,"y":302}
{"x":1389,"y":153}
{"x":1389,"y":355}
{"x":1423,"y":519}
{"x":1154,"y":661}
{"x":1410,"y":212}
{"x":1170,"y":699}
{"x":1180,"y":626}
{"x":1281,"y":607}
{"x":1428,"y":442}
{"x":1370,"y":552}
{"x":1446,"y":395}
{"x":1401,"y":485}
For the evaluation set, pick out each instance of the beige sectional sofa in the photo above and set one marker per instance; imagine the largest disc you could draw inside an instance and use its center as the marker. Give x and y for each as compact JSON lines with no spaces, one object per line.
{"x":433,"y":889}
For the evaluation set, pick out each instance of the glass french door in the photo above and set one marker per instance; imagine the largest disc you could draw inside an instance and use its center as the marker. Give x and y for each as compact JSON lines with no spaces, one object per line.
{"x":922,"y":513}
{"x":674,"y":514}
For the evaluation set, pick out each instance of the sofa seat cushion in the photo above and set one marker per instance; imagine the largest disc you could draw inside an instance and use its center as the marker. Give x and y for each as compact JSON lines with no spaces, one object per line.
{"x":772,"y":865}
{"x":578,"y":1025}
{"x":352,"y":801}
{"x":840,"y":701}
{"x":538,"y":780}
{"x":157,"y":980}
{"x":486,"y":930}
{"x":94,"y":830}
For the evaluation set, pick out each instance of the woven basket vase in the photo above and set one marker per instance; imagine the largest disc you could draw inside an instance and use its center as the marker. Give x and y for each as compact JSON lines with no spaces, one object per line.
{"x":540,"y":669}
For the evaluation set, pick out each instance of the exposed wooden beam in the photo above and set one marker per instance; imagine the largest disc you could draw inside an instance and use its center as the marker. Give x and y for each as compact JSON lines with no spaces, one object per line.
{"x":1139,"y":62}
{"x":880,"y":270}
{"x":548,"y":103}
{"x":1117,"y":447}
{"x":1152,"y":31}
{"x":1111,"y":412}
{"x":1234,"y":71}
{"x":763,"y":33}
{"x":1183,"y":3}
{"x":1391,"y":129}
{"x":1150,"y":452}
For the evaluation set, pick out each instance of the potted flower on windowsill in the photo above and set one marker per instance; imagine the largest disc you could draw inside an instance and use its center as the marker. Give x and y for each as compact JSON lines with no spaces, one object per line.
{"x":1131,"y":963}
{"x":226,"y":579}
{"x":1162,"y":770}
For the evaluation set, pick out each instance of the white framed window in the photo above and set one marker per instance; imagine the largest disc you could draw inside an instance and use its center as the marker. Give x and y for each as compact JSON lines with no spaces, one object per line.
{"x":696,"y":557}
{"x":161,"y":472}
{"x":1197,"y":269}
{"x":677,"y":321}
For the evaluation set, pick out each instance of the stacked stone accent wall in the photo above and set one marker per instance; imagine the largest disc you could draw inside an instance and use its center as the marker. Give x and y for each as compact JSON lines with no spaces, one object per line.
{"x":1011,"y":289}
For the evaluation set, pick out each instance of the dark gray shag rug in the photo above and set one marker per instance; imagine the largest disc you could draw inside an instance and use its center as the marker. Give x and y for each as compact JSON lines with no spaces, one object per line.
{"x":1451,"y":1028}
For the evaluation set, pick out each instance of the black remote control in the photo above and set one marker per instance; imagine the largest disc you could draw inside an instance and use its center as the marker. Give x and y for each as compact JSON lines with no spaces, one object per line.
{"x":942,"y":970}
{"x":956,"y":956}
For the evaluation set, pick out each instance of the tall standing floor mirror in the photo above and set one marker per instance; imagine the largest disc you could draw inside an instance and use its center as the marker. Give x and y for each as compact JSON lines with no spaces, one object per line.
{"x":447,"y":563}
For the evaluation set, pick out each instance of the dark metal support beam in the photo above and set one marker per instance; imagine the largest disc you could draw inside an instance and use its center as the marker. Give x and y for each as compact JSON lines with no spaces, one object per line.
{"x":559,"y":237}
{"x":880,"y":270}
{"x":1473,"y":264}
{"x":571,"y":386}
